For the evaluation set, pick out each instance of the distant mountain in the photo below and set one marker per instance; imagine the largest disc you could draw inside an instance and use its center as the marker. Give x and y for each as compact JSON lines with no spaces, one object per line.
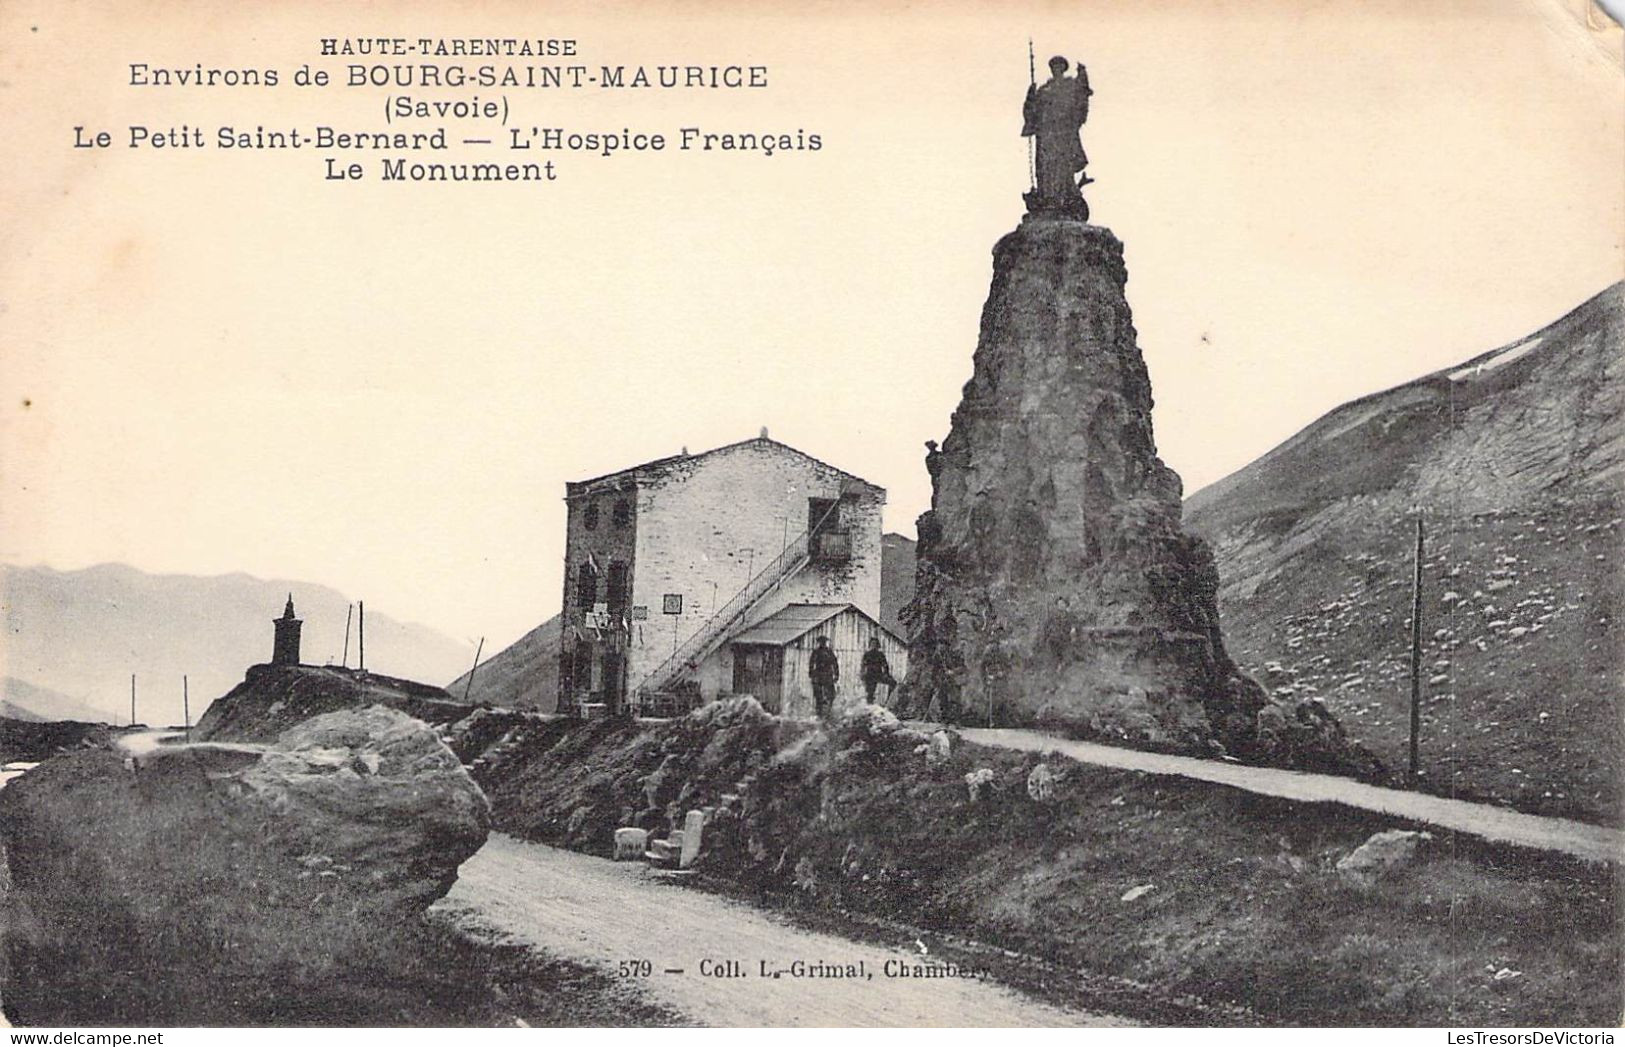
{"x":1514,"y":460}
{"x":82,"y":633}
{"x":896,"y":580}
{"x":24,"y":701}
{"x":526,"y":674}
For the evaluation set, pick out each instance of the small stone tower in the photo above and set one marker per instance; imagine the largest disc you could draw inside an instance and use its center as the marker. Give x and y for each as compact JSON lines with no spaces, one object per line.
{"x":286,"y":649}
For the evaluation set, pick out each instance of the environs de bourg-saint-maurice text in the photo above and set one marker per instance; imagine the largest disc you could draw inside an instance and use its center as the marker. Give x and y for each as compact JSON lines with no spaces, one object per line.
{"x":440,"y":122}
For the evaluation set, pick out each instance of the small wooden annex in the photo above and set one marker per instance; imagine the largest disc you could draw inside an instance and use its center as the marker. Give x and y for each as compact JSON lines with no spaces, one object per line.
{"x":769,"y":659}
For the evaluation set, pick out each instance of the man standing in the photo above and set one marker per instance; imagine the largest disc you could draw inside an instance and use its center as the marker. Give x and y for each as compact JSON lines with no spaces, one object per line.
{"x":824,"y":670}
{"x":876,"y":670}
{"x":1053,"y":114}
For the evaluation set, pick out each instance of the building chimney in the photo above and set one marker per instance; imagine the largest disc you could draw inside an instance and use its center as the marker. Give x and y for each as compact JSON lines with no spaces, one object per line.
{"x":285,"y":649}
{"x":764,"y":432}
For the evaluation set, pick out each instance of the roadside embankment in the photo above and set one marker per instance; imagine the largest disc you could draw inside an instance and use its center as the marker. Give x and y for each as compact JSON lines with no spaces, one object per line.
{"x":34,"y":741}
{"x":1178,"y":888}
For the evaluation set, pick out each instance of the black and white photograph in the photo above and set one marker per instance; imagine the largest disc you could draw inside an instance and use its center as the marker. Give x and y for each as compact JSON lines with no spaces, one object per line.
{"x":652,"y":516}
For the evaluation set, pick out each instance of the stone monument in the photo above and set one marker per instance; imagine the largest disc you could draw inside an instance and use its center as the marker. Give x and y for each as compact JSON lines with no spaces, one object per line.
{"x":1055,"y":586}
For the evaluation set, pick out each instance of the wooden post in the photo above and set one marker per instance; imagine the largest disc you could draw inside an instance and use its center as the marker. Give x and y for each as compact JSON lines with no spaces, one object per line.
{"x":1416,"y":656}
{"x":186,"y":707}
{"x":349,"y":612}
{"x":361,"y":634}
{"x":470,"y":685}
{"x":132,"y":699}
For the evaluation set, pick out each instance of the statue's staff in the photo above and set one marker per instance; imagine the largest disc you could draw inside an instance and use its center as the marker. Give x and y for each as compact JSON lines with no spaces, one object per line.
{"x":1032,"y":143}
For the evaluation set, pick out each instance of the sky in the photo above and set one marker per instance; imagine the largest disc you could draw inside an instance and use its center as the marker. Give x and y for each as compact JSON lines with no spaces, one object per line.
{"x":219,"y":361}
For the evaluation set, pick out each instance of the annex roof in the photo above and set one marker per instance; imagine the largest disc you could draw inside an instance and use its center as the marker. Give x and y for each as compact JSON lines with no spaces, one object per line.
{"x":795,"y":621}
{"x":659,"y":464}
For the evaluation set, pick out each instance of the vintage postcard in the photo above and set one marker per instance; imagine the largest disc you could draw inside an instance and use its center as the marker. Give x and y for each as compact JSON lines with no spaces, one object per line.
{"x":812,"y":514}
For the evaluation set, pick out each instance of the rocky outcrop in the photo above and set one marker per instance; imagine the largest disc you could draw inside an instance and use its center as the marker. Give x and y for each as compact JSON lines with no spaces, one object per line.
{"x":273,"y":698}
{"x":138,"y":873}
{"x":28,"y":740}
{"x":1055,"y":586}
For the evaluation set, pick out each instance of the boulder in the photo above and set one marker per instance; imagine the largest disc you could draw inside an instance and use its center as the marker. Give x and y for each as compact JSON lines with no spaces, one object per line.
{"x":1041,"y":783}
{"x":1383,"y":851}
{"x":978,"y":780}
{"x":234,"y":862}
{"x":939,"y":749}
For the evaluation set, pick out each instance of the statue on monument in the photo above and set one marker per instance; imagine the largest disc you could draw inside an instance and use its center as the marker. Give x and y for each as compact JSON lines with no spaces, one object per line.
{"x":1053,"y":115}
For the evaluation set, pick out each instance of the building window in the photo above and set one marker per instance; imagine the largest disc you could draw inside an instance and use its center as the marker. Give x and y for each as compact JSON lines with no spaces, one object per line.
{"x":823,"y":514}
{"x":586,"y":586}
{"x":616,"y":591}
{"x":589,"y":518}
{"x":622,"y":514}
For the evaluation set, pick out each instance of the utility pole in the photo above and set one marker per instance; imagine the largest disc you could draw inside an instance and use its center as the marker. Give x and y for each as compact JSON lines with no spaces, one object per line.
{"x":361,"y":634}
{"x":1416,"y":656}
{"x":470,"y":685}
{"x":349,"y":612}
{"x":132,"y":699}
{"x":186,"y":707}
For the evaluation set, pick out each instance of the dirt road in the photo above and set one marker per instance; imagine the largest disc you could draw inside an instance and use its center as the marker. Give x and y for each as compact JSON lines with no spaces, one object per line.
{"x":606,"y":913}
{"x":1593,"y":842}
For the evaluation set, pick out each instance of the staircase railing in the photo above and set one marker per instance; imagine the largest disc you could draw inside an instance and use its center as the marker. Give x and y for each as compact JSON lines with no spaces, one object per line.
{"x":692,"y":651}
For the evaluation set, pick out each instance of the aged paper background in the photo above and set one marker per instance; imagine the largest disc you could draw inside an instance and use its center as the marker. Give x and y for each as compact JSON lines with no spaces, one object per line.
{"x":217,"y":361}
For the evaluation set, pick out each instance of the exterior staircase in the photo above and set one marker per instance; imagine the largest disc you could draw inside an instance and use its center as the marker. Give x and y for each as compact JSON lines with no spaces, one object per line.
{"x":688,"y":655}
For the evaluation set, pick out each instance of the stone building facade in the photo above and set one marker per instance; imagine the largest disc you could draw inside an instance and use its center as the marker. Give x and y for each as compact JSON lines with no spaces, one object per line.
{"x":665,"y":560}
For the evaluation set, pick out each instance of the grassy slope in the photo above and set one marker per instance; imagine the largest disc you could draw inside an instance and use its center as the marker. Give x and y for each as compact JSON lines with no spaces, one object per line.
{"x":523,"y":675}
{"x":1521,"y":647}
{"x":1247,"y":908}
{"x":1514,"y":459}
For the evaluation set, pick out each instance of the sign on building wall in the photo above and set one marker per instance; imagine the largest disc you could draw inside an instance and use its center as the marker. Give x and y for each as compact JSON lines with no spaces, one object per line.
{"x":671,"y":603}
{"x":640,"y":613}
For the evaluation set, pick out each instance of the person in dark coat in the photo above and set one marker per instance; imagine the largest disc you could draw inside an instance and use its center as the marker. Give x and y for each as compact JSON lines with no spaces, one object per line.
{"x":824,"y":670}
{"x":876,"y":670}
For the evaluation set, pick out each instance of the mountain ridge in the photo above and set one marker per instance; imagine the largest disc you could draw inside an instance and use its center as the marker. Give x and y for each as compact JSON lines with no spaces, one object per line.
{"x":1512,"y":459}
{"x":82,"y":632}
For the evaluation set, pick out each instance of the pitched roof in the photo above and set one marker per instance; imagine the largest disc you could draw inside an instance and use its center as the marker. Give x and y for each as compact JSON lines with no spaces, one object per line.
{"x":661,"y":463}
{"x":795,"y":621}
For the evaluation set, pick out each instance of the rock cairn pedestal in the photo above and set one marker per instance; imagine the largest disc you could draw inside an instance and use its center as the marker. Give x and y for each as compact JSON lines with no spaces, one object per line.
{"x":1055,"y":586}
